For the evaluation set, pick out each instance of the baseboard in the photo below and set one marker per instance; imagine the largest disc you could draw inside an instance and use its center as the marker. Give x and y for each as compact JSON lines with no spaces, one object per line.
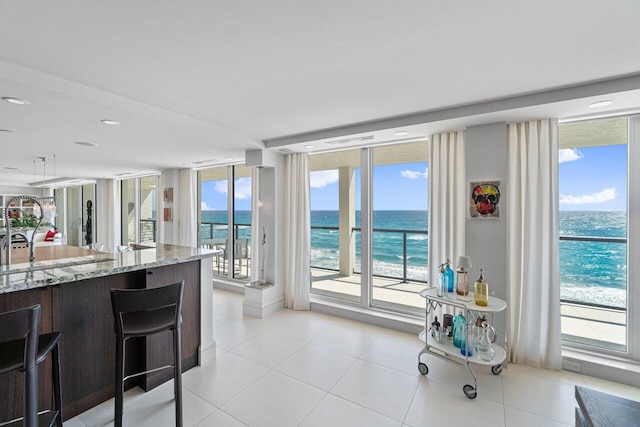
{"x":259,"y":311}
{"x":229,"y":286}
{"x":373,"y":317}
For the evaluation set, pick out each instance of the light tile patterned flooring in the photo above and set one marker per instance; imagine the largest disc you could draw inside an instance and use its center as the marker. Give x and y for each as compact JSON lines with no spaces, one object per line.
{"x":310,"y":369}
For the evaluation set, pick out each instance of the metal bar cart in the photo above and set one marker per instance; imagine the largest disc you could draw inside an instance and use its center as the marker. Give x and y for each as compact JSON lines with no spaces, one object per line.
{"x":444,"y":349}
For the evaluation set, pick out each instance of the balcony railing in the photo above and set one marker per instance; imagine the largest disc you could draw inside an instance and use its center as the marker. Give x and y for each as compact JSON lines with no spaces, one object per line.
{"x":148,"y":228}
{"x":207,"y":229}
{"x":405,"y":233}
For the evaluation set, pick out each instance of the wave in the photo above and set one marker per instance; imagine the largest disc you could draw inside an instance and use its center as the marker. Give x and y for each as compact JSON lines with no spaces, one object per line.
{"x":418,"y":237}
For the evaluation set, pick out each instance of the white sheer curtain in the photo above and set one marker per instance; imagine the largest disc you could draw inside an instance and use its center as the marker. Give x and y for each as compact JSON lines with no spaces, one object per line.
{"x":447,"y":200}
{"x":533,"y":278}
{"x":187,"y":212}
{"x":297,"y":232}
{"x":256,"y":228}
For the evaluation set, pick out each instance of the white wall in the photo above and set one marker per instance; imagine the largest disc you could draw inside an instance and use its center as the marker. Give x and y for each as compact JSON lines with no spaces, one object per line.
{"x":486,"y":238}
{"x":168,"y":231}
{"x":17,"y":191}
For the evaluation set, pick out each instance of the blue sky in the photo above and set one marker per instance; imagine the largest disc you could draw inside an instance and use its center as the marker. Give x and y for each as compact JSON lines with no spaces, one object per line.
{"x":396,"y":187}
{"x":214,"y":195}
{"x":593,"y":178}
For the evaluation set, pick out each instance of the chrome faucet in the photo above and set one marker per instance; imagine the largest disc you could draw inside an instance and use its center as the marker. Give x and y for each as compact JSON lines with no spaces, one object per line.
{"x":6,"y":241}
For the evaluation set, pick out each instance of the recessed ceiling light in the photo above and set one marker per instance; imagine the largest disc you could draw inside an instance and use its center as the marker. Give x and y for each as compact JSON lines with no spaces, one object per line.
{"x":9,"y":168}
{"x":110,"y":122}
{"x":86,"y":144}
{"x":402,"y":133}
{"x":122,"y":174}
{"x":229,"y":158}
{"x":600,"y":104}
{"x":16,"y":101}
{"x":6,"y":130}
{"x":308,"y":146}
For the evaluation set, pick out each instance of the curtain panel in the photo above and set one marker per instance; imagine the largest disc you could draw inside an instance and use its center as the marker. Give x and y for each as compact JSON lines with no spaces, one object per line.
{"x":447,"y":200}
{"x":297,"y":232}
{"x":187,"y":215}
{"x":533,"y":275}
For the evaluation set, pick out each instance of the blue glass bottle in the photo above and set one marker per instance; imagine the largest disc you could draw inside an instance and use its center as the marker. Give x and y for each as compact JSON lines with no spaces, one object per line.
{"x":448,"y":276}
{"x":459,"y":330}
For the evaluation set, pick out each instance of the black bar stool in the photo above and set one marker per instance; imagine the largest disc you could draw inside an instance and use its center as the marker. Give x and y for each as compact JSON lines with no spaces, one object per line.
{"x":143,"y":312}
{"x":22,"y":349}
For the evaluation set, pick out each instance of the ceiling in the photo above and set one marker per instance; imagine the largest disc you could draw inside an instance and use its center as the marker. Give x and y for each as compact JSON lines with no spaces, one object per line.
{"x":199,"y":82}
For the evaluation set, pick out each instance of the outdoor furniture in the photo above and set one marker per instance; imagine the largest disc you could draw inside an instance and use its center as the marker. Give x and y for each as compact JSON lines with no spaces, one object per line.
{"x":241,"y":251}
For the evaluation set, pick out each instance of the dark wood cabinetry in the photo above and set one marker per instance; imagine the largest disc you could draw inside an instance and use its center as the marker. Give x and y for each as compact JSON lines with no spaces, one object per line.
{"x":84,"y":315}
{"x":82,"y":311}
{"x":159,"y":347}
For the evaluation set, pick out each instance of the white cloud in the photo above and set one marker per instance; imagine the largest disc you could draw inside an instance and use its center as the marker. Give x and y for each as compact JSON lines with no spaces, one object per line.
{"x":320,"y":179}
{"x":569,"y":155}
{"x":221,"y":186}
{"x":414,"y":174}
{"x":600,"y":197}
{"x":205,"y":207}
{"x":242,"y":188}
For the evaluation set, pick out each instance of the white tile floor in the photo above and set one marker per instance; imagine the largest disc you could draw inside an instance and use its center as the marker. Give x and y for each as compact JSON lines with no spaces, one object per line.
{"x":310,"y":369}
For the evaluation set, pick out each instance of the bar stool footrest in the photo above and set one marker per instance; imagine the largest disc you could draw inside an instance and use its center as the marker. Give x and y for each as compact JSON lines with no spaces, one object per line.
{"x":45,"y":419}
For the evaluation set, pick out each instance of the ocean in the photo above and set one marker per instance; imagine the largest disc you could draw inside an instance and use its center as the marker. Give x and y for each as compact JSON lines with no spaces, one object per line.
{"x":592,"y":272}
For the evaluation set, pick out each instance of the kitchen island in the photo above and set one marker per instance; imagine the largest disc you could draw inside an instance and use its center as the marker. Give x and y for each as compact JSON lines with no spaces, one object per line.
{"x":73,"y":287}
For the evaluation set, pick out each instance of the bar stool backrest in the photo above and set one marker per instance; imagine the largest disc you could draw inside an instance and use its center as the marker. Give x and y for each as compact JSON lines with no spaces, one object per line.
{"x":17,"y":325}
{"x":137,"y":300}
{"x":22,"y":324}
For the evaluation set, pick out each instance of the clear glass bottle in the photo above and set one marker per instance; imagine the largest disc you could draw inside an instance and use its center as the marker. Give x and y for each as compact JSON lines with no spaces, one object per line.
{"x":459,"y":330}
{"x":442,"y":284}
{"x":476,"y":332}
{"x":481,"y":291}
{"x":485,"y":348}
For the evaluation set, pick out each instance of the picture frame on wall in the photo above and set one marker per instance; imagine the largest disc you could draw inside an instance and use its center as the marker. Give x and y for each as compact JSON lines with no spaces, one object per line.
{"x":168,"y":194}
{"x":168,"y":214}
{"x":484,"y":199}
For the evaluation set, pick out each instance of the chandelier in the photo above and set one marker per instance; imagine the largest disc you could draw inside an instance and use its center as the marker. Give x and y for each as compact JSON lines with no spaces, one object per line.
{"x":47,"y":207}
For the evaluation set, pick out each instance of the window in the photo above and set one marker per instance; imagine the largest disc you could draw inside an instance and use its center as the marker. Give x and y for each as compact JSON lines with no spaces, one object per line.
{"x":394,"y":273}
{"x":335,"y":222}
{"x":139,"y":197}
{"x":218,"y":210}
{"x":76,"y":210}
{"x":594,"y":235}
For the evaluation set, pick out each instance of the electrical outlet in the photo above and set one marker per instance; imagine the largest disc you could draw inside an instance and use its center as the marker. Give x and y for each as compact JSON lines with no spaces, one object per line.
{"x":571,"y":365}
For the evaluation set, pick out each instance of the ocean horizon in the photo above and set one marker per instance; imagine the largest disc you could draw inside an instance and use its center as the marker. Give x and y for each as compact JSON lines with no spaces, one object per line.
{"x":591,"y":272}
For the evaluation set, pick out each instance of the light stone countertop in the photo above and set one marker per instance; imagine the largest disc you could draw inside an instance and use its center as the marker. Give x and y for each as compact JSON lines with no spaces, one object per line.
{"x":39,"y":274}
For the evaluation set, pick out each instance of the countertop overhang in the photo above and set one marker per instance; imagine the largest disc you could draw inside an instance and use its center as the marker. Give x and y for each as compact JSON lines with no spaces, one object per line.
{"x":18,"y":277}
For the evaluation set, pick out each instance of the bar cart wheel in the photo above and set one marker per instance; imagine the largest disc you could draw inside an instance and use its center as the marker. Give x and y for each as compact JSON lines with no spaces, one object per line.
{"x":469,"y":391}
{"x":424,"y":369}
{"x":496,"y":370}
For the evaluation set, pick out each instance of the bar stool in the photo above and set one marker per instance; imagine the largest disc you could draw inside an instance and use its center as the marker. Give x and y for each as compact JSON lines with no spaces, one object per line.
{"x":143,"y":312}
{"x":22,"y":349}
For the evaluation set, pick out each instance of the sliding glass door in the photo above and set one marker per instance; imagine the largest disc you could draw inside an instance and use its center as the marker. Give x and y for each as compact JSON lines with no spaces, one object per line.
{"x":370,"y":201}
